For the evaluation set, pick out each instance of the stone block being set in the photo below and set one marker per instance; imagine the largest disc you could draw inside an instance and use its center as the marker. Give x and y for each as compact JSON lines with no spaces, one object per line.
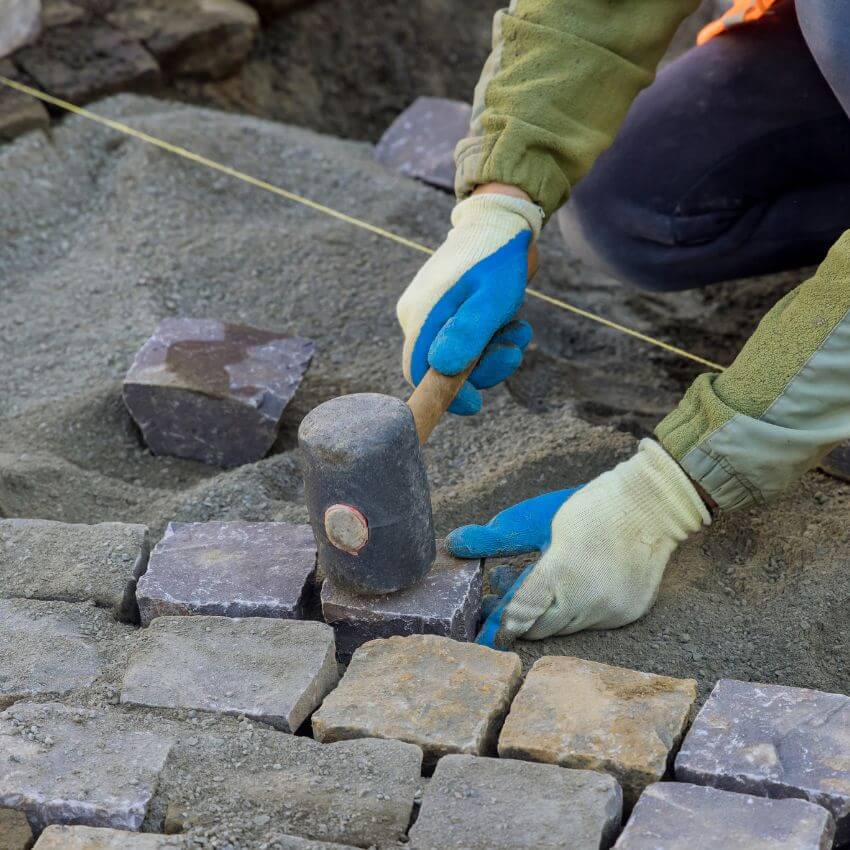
{"x":773,"y":741}
{"x":42,"y":559}
{"x":15,"y":832}
{"x":679,"y":816}
{"x":275,"y":671}
{"x":584,"y":714}
{"x":446,"y":602}
{"x":212,"y":391}
{"x":443,"y":696}
{"x":98,"y":838}
{"x":474,"y":803}
{"x":230,"y":569}
{"x":92,"y":767}
{"x":420,"y":143}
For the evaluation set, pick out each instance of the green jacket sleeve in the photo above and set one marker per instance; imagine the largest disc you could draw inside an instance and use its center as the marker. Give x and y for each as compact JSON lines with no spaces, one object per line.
{"x":748,"y":433}
{"x":556,"y":87}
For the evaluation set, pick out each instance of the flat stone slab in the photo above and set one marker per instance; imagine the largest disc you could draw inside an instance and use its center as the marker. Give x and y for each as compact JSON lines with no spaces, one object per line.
{"x":357,"y":793}
{"x":474,"y":803}
{"x":212,"y":391}
{"x":679,"y":816}
{"x":15,"y":832}
{"x":96,"y":838}
{"x":773,"y":741}
{"x":446,"y":602}
{"x":92,"y":767}
{"x":584,"y":714}
{"x":276,"y":671}
{"x":42,"y":559}
{"x":420,"y":143}
{"x":48,"y":648}
{"x":231,"y":569}
{"x":444,"y":696}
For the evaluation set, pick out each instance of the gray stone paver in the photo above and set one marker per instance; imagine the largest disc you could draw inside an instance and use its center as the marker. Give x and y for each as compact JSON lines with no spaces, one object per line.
{"x":43,"y":559}
{"x":98,"y":838}
{"x":48,"y":648}
{"x":474,"y":803}
{"x":444,"y":696}
{"x":446,"y":602}
{"x":276,"y":671}
{"x":773,"y":741}
{"x":231,"y":569}
{"x":213,"y":391}
{"x":584,"y":714}
{"x":94,"y":767}
{"x":680,"y":816}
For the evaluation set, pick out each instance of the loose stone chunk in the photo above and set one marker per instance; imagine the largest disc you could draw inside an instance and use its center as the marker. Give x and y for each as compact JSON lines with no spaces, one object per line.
{"x":678,"y":816}
{"x":276,"y":671}
{"x":233,"y":569}
{"x":579,"y":713}
{"x":19,"y":113}
{"x":20,"y":24}
{"x":446,"y":602}
{"x":86,"y":766}
{"x":444,"y":696}
{"x":837,"y":462}
{"x":15,"y":832}
{"x":773,"y":741}
{"x":476,"y":803}
{"x":211,"y":391}
{"x":41,"y":559}
{"x":47,"y":648}
{"x":94,"y":838}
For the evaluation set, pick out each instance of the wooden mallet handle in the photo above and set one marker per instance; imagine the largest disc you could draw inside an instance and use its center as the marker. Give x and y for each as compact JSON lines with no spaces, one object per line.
{"x":435,"y":392}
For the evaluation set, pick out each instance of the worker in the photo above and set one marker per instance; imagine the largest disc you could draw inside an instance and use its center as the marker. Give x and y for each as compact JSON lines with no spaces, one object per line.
{"x":734,"y":162}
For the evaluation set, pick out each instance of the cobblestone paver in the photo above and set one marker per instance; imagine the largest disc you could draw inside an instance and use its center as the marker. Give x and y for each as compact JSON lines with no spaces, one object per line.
{"x":444,"y":696}
{"x":773,"y":741}
{"x":584,"y":714}
{"x":97,"y":838}
{"x":233,"y":569}
{"x":276,"y":671}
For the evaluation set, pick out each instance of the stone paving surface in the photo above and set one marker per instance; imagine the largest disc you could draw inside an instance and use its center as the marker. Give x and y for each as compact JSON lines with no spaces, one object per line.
{"x":474,"y":803}
{"x":773,"y":741}
{"x":446,"y":602}
{"x":444,"y":696}
{"x":15,"y":832}
{"x":212,"y":391}
{"x":90,"y":766}
{"x":97,"y":838}
{"x":276,"y":671}
{"x":584,"y":714}
{"x":260,"y":781}
{"x":232,"y":569}
{"x":42,"y":559}
{"x":48,"y":648}
{"x":679,"y":816}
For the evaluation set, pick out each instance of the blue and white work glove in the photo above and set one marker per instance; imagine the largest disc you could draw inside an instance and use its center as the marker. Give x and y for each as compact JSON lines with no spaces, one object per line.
{"x":465,"y":298}
{"x":604,"y":548}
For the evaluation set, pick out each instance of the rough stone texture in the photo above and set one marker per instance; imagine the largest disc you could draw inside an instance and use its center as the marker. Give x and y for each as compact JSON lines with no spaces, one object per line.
{"x":48,"y":648}
{"x":89,"y":766}
{"x":678,"y":816}
{"x":85,"y":61}
{"x":837,"y":462}
{"x":15,"y":832}
{"x":446,"y":602}
{"x":96,"y":838}
{"x":420,"y":142}
{"x":476,"y":803}
{"x":583,"y":714}
{"x":42,"y":559}
{"x":202,"y":38}
{"x":444,"y":696}
{"x":20,"y":24}
{"x":276,"y":671}
{"x":773,"y":741}
{"x":19,"y":113}
{"x":212,"y":391}
{"x":233,"y":569}
{"x":352,"y":792}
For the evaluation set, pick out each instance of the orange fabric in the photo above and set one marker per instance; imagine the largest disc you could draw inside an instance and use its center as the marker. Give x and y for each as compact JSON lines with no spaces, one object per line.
{"x":741,"y":12}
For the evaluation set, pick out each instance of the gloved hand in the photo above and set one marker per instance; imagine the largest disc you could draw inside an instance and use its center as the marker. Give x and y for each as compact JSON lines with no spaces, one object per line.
{"x":464,"y":298}
{"x":604,"y":548}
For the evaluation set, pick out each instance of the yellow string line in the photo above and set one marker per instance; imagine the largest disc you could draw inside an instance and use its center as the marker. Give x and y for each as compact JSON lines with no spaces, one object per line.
{"x":329,"y":211}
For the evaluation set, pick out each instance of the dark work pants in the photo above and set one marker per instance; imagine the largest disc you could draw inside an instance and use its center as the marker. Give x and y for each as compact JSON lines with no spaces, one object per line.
{"x":734,"y":162}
